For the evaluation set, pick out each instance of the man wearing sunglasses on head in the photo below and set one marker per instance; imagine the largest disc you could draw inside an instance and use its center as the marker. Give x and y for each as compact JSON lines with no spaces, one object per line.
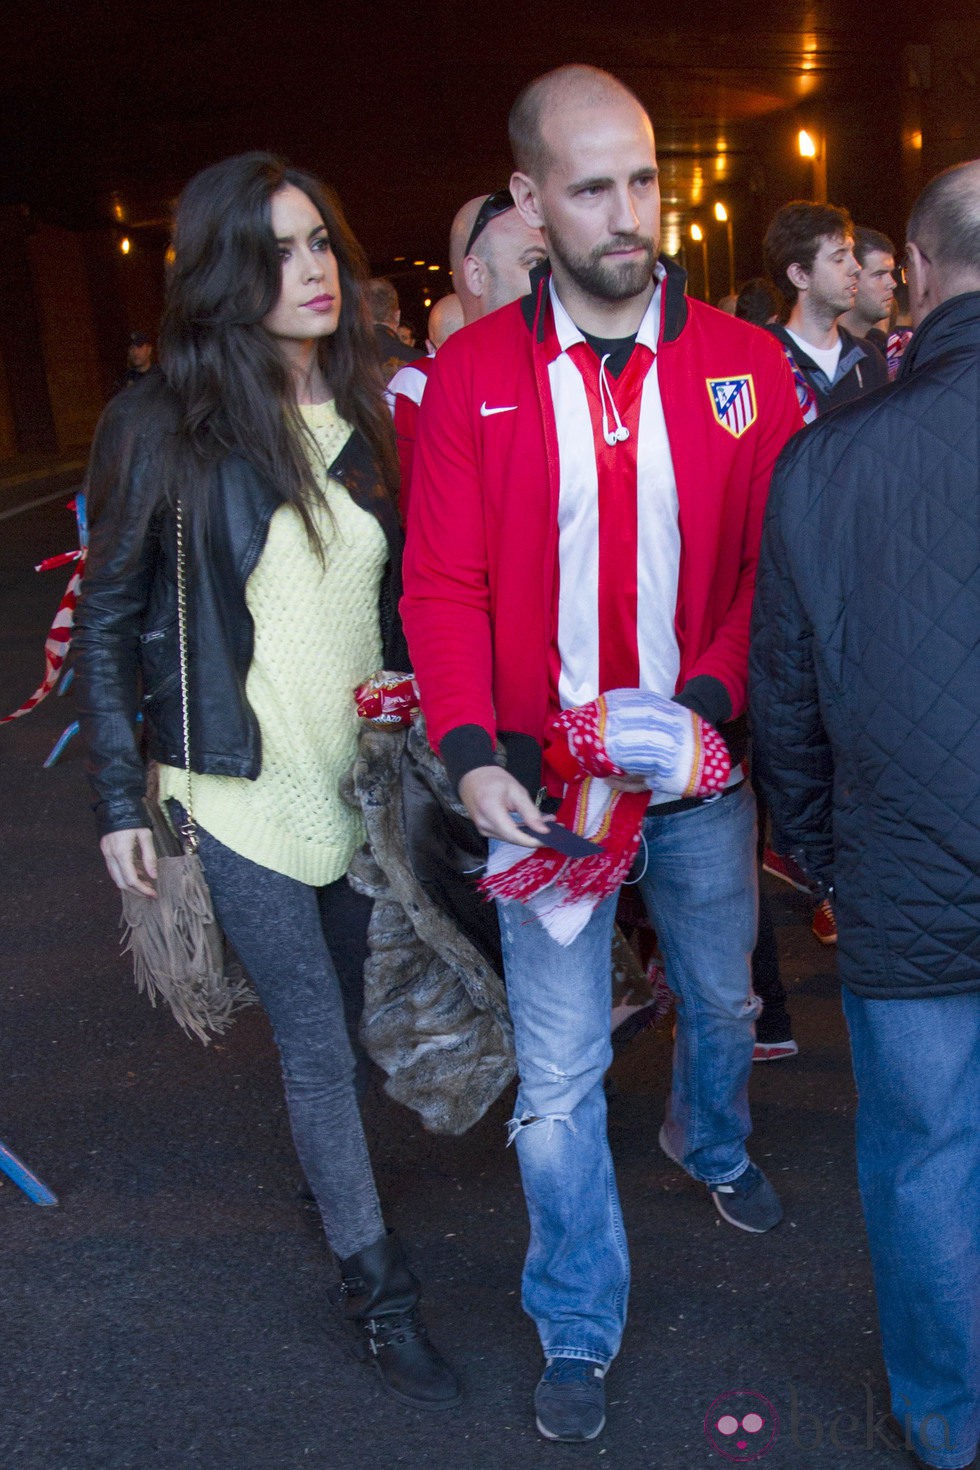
{"x":491,"y":254}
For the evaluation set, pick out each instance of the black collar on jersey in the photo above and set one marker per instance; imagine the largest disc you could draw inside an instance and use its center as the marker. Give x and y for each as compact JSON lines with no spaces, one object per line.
{"x":614,"y":351}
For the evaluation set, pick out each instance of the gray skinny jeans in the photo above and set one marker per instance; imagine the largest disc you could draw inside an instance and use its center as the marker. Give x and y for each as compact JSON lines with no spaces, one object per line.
{"x":304,"y":949}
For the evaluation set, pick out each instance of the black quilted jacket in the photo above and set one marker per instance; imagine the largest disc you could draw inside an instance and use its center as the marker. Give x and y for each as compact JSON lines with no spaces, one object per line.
{"x":865,"y":665}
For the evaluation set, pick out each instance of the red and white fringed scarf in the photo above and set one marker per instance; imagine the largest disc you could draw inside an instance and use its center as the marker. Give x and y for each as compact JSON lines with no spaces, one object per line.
{"x":58,"y":641}
{"x":625,"y":732}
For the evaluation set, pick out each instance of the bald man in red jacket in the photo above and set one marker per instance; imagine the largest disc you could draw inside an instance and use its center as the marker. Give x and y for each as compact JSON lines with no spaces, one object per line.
{"x":590,"y":478}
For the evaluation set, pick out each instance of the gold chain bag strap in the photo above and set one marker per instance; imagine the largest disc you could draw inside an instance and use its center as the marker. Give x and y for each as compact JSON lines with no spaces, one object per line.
{"x":177,"y":946}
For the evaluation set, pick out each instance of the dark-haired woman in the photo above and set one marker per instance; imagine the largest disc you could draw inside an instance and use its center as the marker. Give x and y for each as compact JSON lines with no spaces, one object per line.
{"x":269,"y":430}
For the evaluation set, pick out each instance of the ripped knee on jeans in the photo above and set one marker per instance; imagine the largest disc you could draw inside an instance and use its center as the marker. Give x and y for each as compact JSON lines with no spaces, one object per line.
{"x":528,"y":1120}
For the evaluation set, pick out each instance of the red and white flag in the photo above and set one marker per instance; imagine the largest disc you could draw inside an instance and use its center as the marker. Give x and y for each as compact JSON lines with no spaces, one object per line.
{"x":57,"y":643}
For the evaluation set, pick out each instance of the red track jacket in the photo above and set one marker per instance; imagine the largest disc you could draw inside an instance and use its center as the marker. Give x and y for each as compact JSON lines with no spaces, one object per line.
{"x":481,"y":563}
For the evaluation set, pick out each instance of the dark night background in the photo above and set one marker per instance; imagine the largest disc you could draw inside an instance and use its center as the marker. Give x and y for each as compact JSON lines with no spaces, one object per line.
{"x":106,"y":108}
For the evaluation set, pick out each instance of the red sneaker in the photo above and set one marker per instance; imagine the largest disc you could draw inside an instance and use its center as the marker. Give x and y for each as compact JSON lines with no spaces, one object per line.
{"x":784,"y":868}
{"x":774,"y":1051}
{"x":824,"y":924}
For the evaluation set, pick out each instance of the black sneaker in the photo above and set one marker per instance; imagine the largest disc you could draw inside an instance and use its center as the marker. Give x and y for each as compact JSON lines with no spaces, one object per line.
{"x":773,"y":1025}
{"x":570,"y":1400}
{"x":750,"y":1202}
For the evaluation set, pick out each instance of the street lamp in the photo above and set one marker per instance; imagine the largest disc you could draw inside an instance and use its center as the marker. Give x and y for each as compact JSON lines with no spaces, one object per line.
{"x":699,"y":237}
{"x":813,"y":147}
{"x":724,"y":218}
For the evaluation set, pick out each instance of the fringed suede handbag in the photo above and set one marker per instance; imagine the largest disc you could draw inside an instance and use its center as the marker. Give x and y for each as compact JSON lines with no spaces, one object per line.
{"x":178,"y":949}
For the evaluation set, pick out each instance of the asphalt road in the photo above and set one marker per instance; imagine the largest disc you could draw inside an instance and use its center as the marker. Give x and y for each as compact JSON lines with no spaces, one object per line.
{"x":172,"y":1311}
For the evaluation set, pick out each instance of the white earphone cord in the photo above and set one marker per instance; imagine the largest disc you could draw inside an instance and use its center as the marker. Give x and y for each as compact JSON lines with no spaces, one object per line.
{"x":621,"y":432}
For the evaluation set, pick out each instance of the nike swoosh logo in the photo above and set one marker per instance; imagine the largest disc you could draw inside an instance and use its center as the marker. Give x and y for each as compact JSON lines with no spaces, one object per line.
{"x":486,"y":412}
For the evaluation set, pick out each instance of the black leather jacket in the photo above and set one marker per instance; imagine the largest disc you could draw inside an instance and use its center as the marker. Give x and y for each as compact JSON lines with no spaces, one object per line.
{"x":125,"y":638}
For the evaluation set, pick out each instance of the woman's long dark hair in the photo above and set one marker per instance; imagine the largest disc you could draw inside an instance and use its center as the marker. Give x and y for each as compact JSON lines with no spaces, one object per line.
{"x":234,"y":391}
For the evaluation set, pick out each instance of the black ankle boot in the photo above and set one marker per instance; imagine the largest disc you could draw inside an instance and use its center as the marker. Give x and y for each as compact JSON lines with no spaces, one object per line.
{"x":380,"y":1297}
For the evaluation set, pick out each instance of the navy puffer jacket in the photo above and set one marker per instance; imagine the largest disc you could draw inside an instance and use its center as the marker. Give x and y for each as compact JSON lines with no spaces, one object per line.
{"x":865,"y":665}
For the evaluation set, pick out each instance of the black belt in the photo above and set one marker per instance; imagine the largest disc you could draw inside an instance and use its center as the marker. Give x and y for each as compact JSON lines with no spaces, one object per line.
{"x":550,"y":804}
{"x":687,"y":803}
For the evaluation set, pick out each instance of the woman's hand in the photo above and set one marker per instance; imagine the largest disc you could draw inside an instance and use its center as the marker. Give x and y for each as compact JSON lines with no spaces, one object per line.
{"x":131,"y":860}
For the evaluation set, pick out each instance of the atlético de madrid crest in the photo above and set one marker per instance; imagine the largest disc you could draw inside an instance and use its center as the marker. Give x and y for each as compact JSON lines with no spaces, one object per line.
{"x":733,"y":403}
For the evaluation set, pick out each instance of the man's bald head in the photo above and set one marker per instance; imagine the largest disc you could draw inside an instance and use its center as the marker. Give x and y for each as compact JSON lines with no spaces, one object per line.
{"x":587,"y":177}
{"x":459,"y":232}
{"x":567,"y":87}
{"x":496,"y":269}
{"x":943,"y":239}
{"x":945,"y":219}
{"x":445,"y":318}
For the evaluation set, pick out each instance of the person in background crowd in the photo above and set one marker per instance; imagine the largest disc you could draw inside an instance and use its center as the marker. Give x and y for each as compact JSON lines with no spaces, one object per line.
{"x":900,"y":316}
{"x":899,"y":325}
{"x":758,"y":302}
{"x":492,"y":250}
{"x":283,"y":480}
{"x":405,"y":334}
{"x":876,"y":290}
{"x":445,"y":318}
{"x":139,"y":362}
{"x":774,"y":1040}
{"x":866,"y":689}
{"x":554,"y":453}
{"x":809,"y":253}
{"x":405,"y":389}
{"x":869,"y":316}
{"x":382,"y":300}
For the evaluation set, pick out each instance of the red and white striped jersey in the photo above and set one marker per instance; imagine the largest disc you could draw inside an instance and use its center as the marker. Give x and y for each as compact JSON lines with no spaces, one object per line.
{"x":619,"y":542}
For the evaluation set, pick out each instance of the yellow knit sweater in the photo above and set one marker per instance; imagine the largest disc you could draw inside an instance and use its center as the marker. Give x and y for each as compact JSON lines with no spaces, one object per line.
{"x":316,"y":637}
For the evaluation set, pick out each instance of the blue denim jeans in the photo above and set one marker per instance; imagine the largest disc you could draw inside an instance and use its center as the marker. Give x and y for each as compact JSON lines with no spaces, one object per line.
{"x":917,"y":1066}
{"x":699,"y":886}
